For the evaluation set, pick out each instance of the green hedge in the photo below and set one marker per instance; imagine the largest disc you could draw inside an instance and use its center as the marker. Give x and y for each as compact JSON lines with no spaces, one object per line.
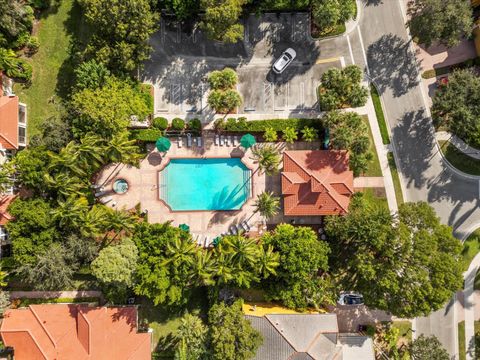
{"x":241,"y":125}
{"x":7,"y":263}
{"x":27,"y":302}
{"x":148,"y":135}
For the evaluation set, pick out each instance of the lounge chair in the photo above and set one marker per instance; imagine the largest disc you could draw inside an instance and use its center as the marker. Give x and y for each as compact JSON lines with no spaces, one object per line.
{"x":246,"y":226}
{"x":179,"y":142}
{"x":199,"y":240}
{"x":105,"y":199}
{"x":217,"y":139}
{"x":199,"y":141}
{"x":233,"y":230}
{"x":222,"y":140}
{"x":227,"y":140}
{"x":209,"y":242}
{"x":100,"y":193}
{"x":189,"y":140}
{"x":234,"y":141}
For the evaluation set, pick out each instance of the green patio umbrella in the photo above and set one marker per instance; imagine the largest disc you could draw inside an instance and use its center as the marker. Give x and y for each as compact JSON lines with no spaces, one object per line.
{"x":247,"y":141}
{"x":216,"y":241}
{"x":184,"y":227}
{"x":163,"y":144}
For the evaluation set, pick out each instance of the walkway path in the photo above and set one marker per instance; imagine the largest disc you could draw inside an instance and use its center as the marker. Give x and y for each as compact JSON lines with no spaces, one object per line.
{"x":459,"y":144}
{"x":469,"y":306}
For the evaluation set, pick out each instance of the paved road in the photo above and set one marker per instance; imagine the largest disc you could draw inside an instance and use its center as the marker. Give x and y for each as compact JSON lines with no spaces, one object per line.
{"x":455,"y":198}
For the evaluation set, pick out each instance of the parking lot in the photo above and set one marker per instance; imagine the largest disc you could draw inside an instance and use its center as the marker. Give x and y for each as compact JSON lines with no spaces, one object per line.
{"x":181,"y":61}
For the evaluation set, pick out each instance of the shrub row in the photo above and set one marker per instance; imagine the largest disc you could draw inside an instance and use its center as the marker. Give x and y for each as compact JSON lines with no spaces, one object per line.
{"x":147,"y":135}
{"x":241,"y":124}
{"x":178,"y":124}
{"x":27,"y":302}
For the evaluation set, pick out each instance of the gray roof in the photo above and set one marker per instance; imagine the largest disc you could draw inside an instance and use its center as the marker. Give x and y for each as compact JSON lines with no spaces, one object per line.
{"x":301,"y":330}
{"x":274,"y":346}
{"x":324,"y":347}
{"x":356,"y":347}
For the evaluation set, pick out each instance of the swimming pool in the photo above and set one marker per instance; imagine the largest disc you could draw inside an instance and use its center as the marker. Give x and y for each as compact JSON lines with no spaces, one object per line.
{"x":204,"y":184}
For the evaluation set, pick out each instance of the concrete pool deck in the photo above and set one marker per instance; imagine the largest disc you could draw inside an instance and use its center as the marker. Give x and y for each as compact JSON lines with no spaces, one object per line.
{"x":143,"y":189}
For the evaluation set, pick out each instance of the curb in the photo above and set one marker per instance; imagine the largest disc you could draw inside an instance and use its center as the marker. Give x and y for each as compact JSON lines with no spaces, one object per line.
{"x":453,"y":168}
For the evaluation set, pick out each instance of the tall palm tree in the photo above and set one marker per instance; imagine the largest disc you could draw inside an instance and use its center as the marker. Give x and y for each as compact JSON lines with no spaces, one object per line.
{"x":267,"y":204}
{"x":71,"y":212}
{"x":244,"y":251}
{"x":117,"y":221}
{"x":205,"y":266}
{"x":268,"y":261}
{"x":225,"y":273}
{"x":267,"y":157}
{"x":67,"y":185}
{"x":180,"y":251}
{"x":121,"y":149}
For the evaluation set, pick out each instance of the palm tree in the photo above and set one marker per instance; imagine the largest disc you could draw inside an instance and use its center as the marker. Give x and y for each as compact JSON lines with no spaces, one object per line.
{"x":267,"y":262}
{"x":8,"y":60}
{"x":117,"y":222}
{"x":121,"y":149}
{"x":244,"y":251}
{"x":70,"y":213}
{"x":267,"y":158}
{"x":205,"y":267}
{"x":225,"y":273}
{"x":180,"y":252}
{"x":267,"y":204}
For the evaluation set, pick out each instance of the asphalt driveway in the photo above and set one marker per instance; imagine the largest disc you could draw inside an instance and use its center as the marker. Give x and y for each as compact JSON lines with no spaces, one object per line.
{"x":182,"y":59}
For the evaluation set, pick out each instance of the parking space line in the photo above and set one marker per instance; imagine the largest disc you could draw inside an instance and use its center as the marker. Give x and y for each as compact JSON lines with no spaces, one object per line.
{"x":328,"y":60}
{"x":350,"y":49}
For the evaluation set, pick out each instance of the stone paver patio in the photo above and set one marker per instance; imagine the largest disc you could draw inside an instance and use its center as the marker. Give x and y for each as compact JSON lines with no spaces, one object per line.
{"x":143,"y":189}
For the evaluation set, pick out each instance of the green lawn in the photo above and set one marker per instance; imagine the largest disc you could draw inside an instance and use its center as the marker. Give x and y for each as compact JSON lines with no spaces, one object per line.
{"x":471,"y":246}
{"x":405,"y":328}
{"x":395,"y":178}
{"x":49,"y":64}
{"x":461,"y":338}
{"x":373,"y":198}
{"x":461,"y":341}
{"x":165,"y":320}
{"x":458,"y":159}
{"x":374,"y":168}
{"x":380,"y":115}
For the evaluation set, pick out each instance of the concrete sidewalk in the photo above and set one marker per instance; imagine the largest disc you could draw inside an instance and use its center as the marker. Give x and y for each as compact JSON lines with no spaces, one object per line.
{"x":459,"y":144}
{"x":469,"y":306}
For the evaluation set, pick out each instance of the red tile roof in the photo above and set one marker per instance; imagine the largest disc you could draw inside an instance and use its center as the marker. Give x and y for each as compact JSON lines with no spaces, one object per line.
{"x":75,"y":332}
{"x":316,"y":182}
{"x":5,"y":201}
{"x":8,"y":121}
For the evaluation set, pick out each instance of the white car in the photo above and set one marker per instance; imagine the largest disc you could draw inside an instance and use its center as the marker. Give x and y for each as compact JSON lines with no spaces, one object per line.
{"x":350,"y":299}
{"x":284,"y":60}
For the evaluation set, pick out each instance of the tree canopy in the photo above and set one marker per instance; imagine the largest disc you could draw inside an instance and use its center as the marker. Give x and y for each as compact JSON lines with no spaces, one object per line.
{"x":220,"y":21}
{"x":445,"y":21}
{"x":427,"y":348}
{"x":297,"y":283}
{"x":350,"y":132}
{"x":342,"y":88}
{"x":232,"y":337}
{"x":107,"y":110}
{"x":121,"y":30}
{"x":327,"y":14}
{"x":409,"y":266}
{"x":456,"y":106}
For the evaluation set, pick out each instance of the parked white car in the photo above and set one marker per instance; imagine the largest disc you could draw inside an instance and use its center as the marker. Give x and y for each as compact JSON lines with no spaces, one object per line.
{"x":350,"y":299}
{"x":284,"y":60}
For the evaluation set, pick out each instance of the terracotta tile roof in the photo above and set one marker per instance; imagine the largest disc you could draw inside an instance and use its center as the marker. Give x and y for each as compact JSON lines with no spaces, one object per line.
{"x":316,"y":182}
{"x":9,"y":122}
{"x":5,"y":201}
{"x":75,"y":332}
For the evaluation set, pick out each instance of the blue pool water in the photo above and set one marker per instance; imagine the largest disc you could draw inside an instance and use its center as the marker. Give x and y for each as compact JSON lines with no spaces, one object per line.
{"x":205,"y":184}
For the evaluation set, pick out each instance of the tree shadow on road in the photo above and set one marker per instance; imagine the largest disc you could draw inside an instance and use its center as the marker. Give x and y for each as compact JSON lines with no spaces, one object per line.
{"x":392,"y":65}
{"x":413,"y":129}
{"x":372,"y":2}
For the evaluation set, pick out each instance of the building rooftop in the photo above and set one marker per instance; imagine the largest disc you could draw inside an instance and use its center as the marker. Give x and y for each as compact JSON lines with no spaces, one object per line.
{"x":69,"y":331}
{"x":9,"y":122}
{"x":5,"y":201}
{"x":316,"y":182}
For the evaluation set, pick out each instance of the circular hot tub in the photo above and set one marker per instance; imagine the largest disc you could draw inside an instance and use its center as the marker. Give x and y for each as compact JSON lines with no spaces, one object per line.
{"x":120,"y":186}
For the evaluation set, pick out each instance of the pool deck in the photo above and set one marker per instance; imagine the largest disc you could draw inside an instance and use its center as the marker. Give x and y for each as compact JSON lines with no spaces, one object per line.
{"x":143,"y":189}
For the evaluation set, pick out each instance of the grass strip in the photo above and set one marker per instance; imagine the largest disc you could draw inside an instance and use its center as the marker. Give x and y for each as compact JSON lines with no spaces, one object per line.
{"x":34,"y":301}
{"x":48,"y":65}
{"x":461,"y":341}
{"x":395,"y":178}
{"x":374,"y":168}
{"x":471,"y":247}
{"x":380,"y":115}
{"x":458,"y":159}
